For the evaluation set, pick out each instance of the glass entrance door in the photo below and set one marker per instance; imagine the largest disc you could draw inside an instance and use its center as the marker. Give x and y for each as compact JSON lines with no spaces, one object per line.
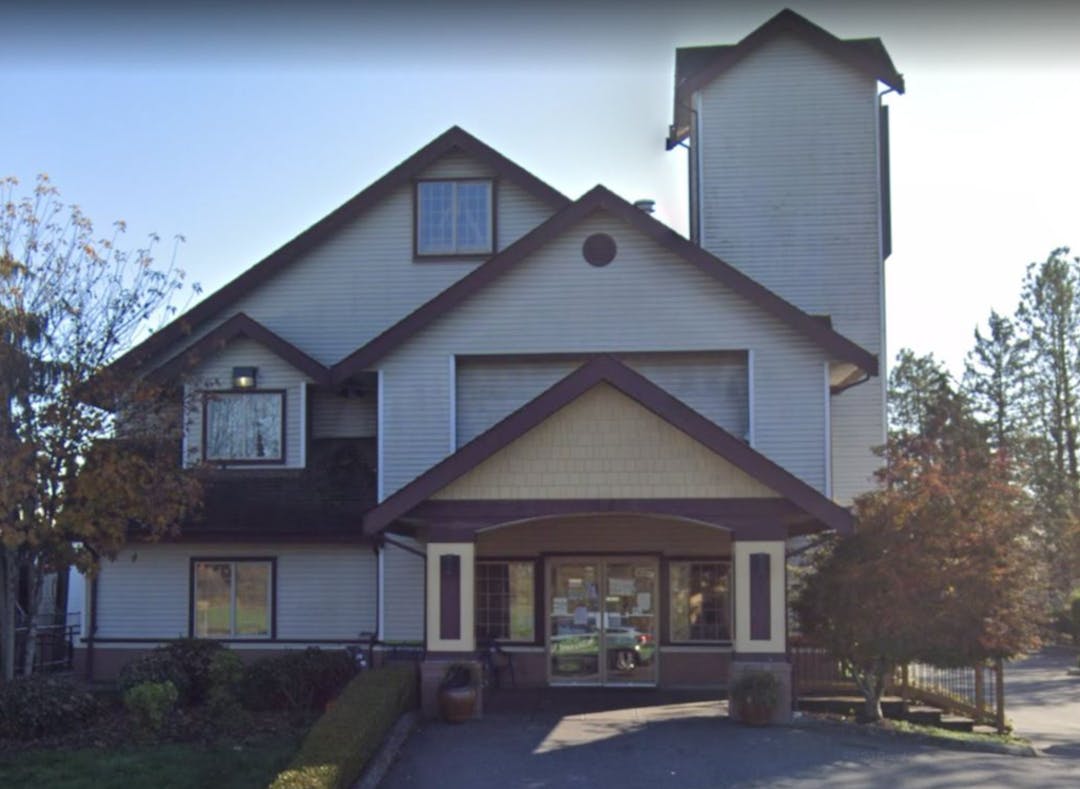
{"x":602,"y":624}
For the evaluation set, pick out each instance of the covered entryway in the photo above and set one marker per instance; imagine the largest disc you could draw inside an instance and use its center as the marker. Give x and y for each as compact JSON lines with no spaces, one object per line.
{"x":608,"y":534}
{"x":602,"y":623}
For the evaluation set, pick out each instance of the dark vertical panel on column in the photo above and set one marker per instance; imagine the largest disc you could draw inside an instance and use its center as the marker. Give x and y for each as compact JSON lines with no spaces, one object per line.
{"x":760,"y":604}
{"x":450,"y":597}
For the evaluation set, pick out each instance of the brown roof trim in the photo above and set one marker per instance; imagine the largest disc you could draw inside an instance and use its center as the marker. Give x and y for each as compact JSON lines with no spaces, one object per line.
{"x":607,"y":369}
{"x":454,"y":138}
{"x":241,"y":325}
{"x":597,"y":199}
{"x":696,"y":67}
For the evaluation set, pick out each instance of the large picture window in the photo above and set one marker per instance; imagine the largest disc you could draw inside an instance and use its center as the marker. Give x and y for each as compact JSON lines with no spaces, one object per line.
{"x":700,"y":608}
{"x":454,"y":218}
{"x":244,"y":427}
{"x":505,"y":601}
{"x":232,"y":598}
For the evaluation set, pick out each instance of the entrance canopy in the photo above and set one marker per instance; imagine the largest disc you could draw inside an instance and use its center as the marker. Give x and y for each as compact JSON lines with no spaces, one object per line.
{"x":606,"y":439}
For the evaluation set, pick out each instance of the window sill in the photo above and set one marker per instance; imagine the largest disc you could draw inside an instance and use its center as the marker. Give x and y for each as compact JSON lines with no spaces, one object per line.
{"x":451,"y":257}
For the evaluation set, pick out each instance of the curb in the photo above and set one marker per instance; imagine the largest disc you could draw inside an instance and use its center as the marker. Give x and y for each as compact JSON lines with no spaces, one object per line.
{"x":381,"y":762}
{"x":1004,"y":748}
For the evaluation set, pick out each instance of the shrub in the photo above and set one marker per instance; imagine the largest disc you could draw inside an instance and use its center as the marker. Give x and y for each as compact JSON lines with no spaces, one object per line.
{"x":150,"y":703}
{"x":42,"y":706}
{"x":222,"y":700}
{"x":756,"y":688}
{"x":341,"y":742}
{"x":296,"y":681}
{"x":155,"y":667}
{"x":185,"y":663}
{"x":193,"y":656}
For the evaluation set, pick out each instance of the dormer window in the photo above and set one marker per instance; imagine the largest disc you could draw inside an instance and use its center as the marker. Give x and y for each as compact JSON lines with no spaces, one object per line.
{"x":454,"y":217}
{"x":244,"y":426}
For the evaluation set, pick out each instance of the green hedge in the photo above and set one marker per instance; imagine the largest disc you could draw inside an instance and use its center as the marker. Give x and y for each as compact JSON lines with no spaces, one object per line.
{"x":341,"y":742}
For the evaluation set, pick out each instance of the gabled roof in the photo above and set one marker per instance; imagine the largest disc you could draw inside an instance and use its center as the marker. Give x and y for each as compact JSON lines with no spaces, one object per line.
{"x":240,"y":325}
{"x":453,"y":139}
{"x":601,"y":199}
{"x":696,"y":67}
{"x":607,"y":369}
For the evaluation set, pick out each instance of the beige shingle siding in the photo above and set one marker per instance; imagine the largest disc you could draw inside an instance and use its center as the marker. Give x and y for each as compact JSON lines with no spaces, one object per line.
{"x":618,"y":533}
{"x":403,"y":586}
{"x":646,"y":300}
{"x":791,"y":196}
{"x":489,"y":389}
{"x":604,"y":445}
{"x":274,"y":373}
{"x":323,"y":592}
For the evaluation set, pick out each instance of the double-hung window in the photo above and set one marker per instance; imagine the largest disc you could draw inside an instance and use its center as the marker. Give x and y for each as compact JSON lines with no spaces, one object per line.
{"x":232,"y":598}
{"x":454,"y":217}
{"x":244,"y":427}
{"x":505,"y":601}
{"x":700,"y":603}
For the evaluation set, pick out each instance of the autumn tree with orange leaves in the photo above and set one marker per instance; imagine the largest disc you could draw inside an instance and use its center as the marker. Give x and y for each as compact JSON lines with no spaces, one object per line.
{"x":941,"y":567}
{"x":71,"y":302}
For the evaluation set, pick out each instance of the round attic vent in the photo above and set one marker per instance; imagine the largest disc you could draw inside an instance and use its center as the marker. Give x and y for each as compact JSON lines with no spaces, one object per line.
{"x":598,"y":249}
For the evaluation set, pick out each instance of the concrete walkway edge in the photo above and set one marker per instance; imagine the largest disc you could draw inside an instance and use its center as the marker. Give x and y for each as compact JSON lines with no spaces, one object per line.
{"x":380,"y":764}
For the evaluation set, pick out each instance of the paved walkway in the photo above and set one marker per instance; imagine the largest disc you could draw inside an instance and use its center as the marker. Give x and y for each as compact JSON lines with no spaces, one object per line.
{"x":1043,"y":700}
{"x":643,"y":739}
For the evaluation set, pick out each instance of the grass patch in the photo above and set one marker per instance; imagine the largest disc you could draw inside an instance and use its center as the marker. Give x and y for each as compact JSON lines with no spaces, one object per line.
{"x":949,"y":734}
{"x":164,"y":766}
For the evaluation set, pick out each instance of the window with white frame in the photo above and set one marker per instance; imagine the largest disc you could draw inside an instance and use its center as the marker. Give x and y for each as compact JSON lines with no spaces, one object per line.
{"x":244,"y":427}
{"x":454,"y":217}
{"x":232,"y":598}
{"x":505,"y":601}
{"x":700,"y":603}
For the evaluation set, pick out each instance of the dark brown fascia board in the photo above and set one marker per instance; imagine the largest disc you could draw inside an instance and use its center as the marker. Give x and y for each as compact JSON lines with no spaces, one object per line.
{"x":454,"y":138}
{"x":608,"y":370}
{"x":241,"y":325}
{"x":864,"y":54}
{"x":597,"y":199}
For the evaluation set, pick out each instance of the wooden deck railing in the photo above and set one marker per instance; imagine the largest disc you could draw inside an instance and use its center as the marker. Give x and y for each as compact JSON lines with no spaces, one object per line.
{"x":974,"y":691}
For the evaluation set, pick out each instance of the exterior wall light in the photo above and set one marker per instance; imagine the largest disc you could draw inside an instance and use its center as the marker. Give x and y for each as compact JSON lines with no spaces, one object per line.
{"x":244,"y":377}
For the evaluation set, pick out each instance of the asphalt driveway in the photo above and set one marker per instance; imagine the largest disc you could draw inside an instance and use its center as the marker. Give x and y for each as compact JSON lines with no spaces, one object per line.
{"x":629,"y":740}
{"x":1043,"y":700}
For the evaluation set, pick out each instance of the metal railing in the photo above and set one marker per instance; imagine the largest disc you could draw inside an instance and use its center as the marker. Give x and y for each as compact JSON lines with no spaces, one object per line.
{"x":54,"y":649}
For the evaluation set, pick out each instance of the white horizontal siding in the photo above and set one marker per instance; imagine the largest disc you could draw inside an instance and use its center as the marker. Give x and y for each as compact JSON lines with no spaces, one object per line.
{"x":323,"y":592}
{"x":490,"y":389}
{"x":858,"y":426}
{"x":404,"y":589}
{"x":646,"y":300}
{"x":788,"y":145}
{"x":335,"y":416}
{"x":363,"y":279}
{"x":273,"y":373}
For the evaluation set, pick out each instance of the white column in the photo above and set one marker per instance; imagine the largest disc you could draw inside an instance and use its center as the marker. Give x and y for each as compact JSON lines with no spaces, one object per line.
{"x":465,"y":552}
{"x":742,"y":553}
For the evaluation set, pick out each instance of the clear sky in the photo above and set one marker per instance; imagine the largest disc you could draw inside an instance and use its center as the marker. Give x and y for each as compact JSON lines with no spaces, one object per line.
{"x":238,"y":127}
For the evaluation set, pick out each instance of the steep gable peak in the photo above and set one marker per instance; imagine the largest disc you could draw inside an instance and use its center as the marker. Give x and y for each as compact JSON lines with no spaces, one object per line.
{"x":696,"y":67}
{"x":454,"y":139}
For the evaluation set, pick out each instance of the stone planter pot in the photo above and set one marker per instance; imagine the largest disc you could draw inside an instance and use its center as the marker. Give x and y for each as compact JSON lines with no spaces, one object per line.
{"x":457,"y":705}
{"x":755,"y":714}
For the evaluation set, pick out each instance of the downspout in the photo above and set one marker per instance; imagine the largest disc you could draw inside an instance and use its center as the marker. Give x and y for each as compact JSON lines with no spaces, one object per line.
{"x":380,"y":592}
{"x":91,"y":628}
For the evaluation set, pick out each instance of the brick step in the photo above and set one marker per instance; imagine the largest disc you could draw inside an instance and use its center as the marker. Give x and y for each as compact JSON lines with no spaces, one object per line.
{"x":891,"y":706}
{"x":923,"y":715}
{"x":958,"y":723}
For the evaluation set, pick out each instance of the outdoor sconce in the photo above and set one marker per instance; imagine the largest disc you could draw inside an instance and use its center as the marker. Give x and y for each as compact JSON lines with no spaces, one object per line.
{"x":244,"y":377}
